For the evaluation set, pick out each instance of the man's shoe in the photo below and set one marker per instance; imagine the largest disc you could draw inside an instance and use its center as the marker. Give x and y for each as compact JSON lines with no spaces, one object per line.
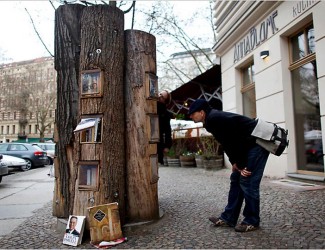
{"x":218,"y":222}
{"x":245,"y":228}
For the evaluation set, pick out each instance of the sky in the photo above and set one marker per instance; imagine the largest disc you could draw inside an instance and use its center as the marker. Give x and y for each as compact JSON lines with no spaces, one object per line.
{"x":19,"y":41}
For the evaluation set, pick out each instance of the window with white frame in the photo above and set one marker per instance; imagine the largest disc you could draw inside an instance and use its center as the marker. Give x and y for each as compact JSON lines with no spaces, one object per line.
{"x":248,"y":90}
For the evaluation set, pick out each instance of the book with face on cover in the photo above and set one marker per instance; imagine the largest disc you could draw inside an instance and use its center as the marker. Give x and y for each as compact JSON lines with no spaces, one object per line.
{"x":74,"y":230}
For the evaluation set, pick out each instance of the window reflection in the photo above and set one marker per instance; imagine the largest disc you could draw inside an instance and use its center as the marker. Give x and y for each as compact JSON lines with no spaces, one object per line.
{"x":303,"y":43}
{"x":307,"y":116}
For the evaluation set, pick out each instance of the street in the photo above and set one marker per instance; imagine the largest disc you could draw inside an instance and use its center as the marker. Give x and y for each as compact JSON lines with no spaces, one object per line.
{"x":292,"y":214}
{"x":21,"y":193}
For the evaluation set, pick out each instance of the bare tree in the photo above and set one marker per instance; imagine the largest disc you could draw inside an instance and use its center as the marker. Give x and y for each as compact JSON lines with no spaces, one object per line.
{"x":172,"y":31}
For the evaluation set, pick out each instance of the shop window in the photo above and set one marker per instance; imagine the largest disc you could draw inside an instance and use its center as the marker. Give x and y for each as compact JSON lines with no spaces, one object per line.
{"x":248,"y":90}
{"x":308,"y":129}
{"x":302,"y":44}
{"x":91,"y":81}
{"x":90,"y":130}
{"x":88,"y":175}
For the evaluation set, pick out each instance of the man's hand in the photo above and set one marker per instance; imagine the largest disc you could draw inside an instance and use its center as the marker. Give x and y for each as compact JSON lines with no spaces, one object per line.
{"x":243,"y":172}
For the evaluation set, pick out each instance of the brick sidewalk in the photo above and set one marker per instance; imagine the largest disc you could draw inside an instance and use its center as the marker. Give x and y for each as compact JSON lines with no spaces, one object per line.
{"x":292,"y":216}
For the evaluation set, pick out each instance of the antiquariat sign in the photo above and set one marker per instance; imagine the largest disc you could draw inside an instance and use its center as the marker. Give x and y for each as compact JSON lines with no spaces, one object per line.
{"x":256,"y":36}
{"x":301,"y":6}
{"x":260,"y":33}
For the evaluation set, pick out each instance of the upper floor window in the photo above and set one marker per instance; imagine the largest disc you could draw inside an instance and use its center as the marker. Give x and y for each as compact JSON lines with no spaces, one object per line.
{"x":303,"y":43}
{"x":248,"y":90}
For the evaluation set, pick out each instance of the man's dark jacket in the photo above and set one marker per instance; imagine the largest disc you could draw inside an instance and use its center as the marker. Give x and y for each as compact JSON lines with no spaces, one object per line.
{"x":165,"y":132}
{"x":233,"y":132}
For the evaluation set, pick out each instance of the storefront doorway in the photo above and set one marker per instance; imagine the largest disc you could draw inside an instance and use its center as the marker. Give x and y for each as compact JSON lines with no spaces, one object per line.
{"x":307,"y":118}
{"x":306,"y":102}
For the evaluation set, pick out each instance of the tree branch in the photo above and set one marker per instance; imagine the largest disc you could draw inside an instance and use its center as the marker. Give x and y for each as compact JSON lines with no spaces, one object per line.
{"x":31,"y":19}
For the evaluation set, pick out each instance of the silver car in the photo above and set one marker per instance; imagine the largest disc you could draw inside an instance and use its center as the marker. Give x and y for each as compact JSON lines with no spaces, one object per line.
{"x":3,"y":168}
{"x":15,"y":162}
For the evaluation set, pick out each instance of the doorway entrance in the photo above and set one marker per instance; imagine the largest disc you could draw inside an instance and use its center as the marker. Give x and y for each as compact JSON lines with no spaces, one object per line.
{"x":307,"y":118}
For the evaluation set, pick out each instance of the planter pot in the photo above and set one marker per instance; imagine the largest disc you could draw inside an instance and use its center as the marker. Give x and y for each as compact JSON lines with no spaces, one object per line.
{"x":165,"y":161}
{"x":173,"y":161}
{"x":199,"y":161}
{"x":213,"y":164}
{"x":187,"y":161}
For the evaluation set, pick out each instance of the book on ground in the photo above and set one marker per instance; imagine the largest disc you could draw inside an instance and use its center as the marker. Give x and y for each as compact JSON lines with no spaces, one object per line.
{"x":74,"y":230}
{"x":104,"y":223}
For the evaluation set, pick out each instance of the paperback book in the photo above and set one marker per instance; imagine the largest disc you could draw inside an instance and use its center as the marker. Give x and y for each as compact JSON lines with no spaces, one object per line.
{"x":74,"y":230}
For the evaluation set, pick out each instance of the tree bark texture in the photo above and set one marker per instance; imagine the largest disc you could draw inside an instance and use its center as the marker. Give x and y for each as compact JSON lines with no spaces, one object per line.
{"x":67,"y":48}
{"x":102,"y":47}
{"x":142,"y":194}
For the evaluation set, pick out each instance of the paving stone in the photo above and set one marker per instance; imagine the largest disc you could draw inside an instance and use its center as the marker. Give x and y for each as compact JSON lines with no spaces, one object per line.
{"x":290,"y":218}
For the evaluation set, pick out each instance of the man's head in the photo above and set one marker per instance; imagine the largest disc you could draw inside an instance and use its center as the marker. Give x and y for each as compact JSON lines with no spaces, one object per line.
{"x":73,"y":222}
{"x":198,"y":109}
{"x":164,"y":97}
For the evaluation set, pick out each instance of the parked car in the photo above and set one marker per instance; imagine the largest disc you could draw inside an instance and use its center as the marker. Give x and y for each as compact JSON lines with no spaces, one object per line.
{"x":49,"y":147}
{"x":15,"y":162}
{"x":34,"y":155}
{"x":3,"y":168}
{"x":314,"y":152}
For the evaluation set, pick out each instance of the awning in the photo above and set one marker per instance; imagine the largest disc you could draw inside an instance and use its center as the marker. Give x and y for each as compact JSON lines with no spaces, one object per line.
{"x":207,"y":85}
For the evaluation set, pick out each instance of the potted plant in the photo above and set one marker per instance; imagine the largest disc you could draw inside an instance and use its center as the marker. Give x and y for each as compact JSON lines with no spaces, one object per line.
{"x":187,"y":159}
{"x":173,"y":156}
{"x":199,"y":158}
{"x":211,"y":157}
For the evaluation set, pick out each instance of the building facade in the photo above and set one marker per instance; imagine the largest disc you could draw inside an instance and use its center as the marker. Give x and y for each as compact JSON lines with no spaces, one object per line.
{"x":273,"y":68}
{"x":27,"y":100}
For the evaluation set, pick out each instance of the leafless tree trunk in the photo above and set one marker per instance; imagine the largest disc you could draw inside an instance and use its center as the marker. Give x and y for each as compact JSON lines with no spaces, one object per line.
{"x":102,"y":47}
{"x":142,"y":190}
{"x":67,"y":49}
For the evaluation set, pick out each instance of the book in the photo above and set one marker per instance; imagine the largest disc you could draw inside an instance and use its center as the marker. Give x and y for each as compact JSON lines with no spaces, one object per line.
{"x":74,"y":230}
{"x":86,"y":124}
{"x":104,"y":223}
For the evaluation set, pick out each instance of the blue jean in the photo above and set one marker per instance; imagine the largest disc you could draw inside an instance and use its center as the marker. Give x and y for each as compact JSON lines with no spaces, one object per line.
{"x":248,"y":189}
